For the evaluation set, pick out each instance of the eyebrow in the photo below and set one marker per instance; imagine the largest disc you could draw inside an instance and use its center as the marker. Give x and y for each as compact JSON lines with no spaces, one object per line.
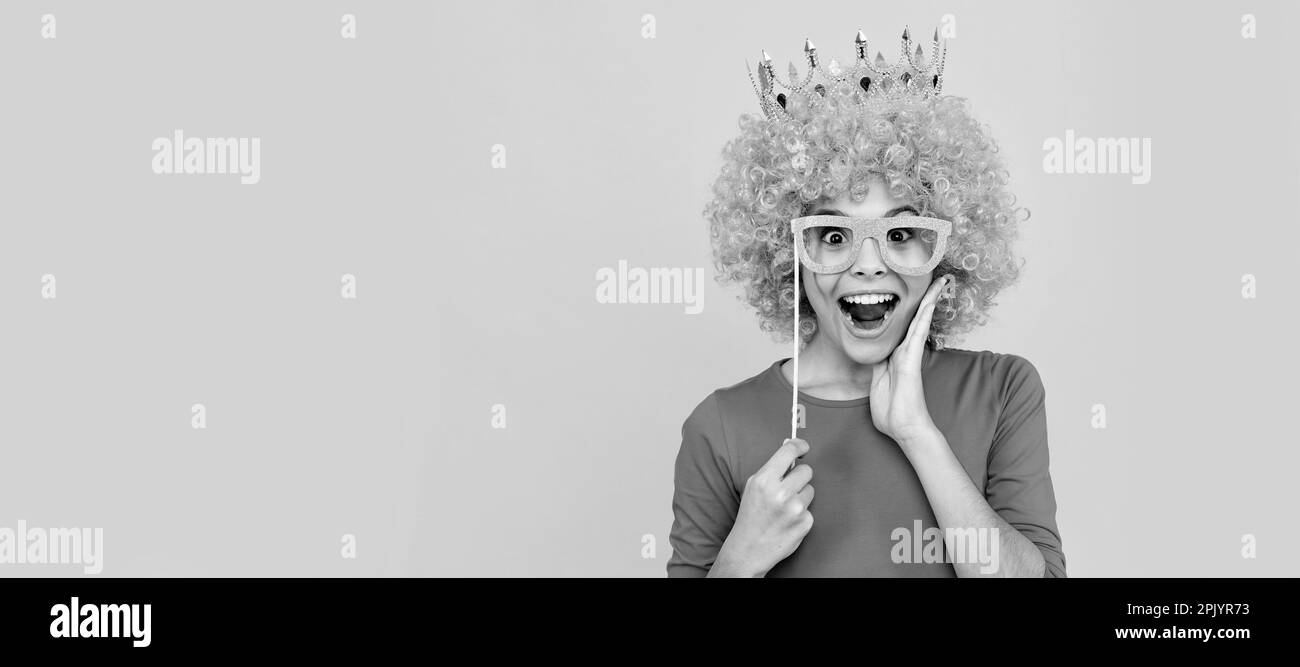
{"x":888,"y":214}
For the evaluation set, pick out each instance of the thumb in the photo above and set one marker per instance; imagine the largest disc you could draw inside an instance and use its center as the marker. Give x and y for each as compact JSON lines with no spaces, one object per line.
{"x":801,"y":446}
{"x":879,"y":372}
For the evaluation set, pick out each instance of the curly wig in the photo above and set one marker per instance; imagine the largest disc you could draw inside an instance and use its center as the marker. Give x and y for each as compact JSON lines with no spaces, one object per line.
{"x":930,"y":152}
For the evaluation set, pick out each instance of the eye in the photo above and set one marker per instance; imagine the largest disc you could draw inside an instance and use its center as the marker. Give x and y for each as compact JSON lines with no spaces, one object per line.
{"x":835,"y":237}
{"x":900,"y":235}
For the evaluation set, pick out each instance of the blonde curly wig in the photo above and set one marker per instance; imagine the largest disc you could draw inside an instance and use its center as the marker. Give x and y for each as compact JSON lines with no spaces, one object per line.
{"x":930,"y":152}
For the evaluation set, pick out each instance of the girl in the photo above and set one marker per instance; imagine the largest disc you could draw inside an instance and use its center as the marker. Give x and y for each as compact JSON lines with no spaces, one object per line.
{"x":911,"y":458}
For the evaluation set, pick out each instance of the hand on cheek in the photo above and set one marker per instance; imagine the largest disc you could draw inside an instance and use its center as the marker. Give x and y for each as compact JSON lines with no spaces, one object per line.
{"x":897,"y":400}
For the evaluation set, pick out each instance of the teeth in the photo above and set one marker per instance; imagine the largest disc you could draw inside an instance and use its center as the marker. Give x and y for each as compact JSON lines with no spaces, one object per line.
{"x":869,"y":298}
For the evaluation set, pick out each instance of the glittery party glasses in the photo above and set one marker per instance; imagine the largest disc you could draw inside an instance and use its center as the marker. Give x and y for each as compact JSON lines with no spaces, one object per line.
{"x":911,"y":245}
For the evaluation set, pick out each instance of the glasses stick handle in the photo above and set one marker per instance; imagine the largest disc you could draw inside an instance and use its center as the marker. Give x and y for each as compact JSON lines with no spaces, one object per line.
{"x":794,"y":392}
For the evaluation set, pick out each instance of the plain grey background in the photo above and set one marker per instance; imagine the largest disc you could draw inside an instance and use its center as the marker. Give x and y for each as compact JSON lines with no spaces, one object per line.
{"x":476,"y":285}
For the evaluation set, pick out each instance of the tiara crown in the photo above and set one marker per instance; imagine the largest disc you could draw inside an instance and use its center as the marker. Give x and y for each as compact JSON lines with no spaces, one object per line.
{"x":867,"y":80}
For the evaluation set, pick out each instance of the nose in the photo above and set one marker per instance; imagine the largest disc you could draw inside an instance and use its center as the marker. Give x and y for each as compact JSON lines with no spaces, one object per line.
{"x":869,"y":262}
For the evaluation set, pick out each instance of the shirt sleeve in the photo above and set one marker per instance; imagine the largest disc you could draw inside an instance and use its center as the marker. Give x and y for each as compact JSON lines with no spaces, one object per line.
{"x":1019,"y":486}
{"x":705,"y":500}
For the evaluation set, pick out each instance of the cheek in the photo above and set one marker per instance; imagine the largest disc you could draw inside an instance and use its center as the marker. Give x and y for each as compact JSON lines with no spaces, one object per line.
{"x":917,"y":286}
{"x":820,"y":287}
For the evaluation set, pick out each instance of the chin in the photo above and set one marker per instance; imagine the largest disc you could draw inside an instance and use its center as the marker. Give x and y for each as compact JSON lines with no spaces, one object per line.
{"x":869,"y":353}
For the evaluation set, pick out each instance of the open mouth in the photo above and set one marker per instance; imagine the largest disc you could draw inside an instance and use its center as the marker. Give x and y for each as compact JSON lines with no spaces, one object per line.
{"x":867,"y":313}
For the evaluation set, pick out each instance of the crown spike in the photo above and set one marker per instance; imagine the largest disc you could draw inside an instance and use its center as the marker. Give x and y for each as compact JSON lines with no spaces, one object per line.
{"x":936,"y":34}
{"x":905,"y":53}
{"x":811,"y":52}
{"x":763,"y":93}
{"x":940,"y":57}
{"x":765,"y":72}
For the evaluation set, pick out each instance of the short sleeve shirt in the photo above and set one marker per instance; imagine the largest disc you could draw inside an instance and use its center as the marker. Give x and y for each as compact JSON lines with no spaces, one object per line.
{"x":990,"y":407}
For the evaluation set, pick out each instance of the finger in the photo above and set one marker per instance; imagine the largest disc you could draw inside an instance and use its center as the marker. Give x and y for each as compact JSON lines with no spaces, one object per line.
{"x":784,"y":457}
{"x":903,"y":353}
{"x":933,"y":294}
{"x":916,"y":344}
{"x":920,"y":326}
{"x":806,"y":496}
{"x":798,"y":477}
{"x":931,"y":297}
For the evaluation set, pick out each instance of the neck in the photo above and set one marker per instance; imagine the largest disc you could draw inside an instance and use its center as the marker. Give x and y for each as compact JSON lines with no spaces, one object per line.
{"x":826,"y":372}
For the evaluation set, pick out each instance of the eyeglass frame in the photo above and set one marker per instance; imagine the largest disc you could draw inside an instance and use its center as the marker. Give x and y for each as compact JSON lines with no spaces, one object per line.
{"x":875,"y":228}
